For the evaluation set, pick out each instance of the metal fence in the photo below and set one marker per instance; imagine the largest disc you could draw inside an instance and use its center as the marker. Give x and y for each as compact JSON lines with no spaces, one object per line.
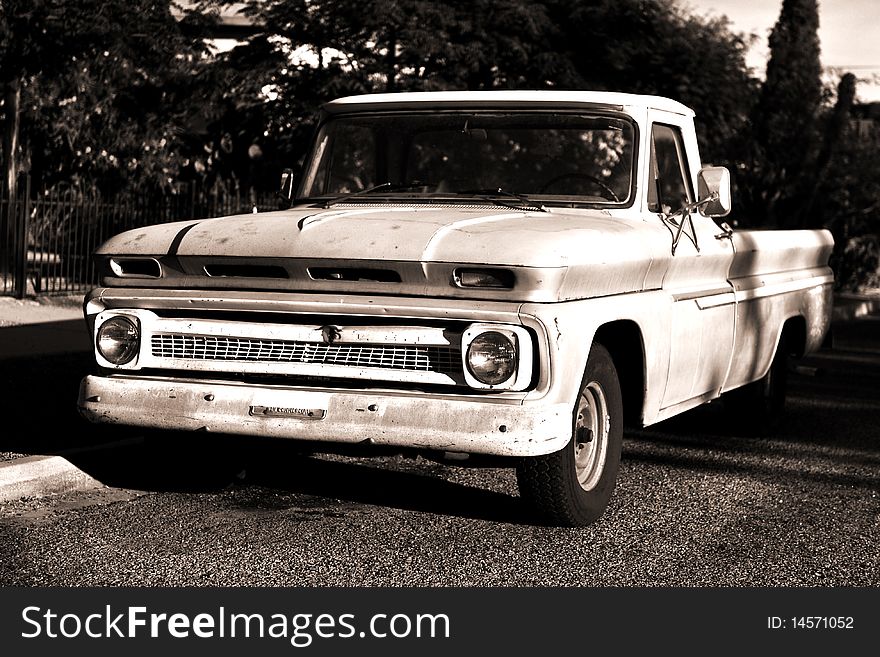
{"x":47,"y":236}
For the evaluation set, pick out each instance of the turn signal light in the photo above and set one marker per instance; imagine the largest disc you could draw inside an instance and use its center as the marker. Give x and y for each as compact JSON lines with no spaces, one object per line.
{"x":502,"y":279}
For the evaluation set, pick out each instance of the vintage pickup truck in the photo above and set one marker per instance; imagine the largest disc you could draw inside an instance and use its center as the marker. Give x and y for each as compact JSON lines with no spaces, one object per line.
{"x":516,"y":274}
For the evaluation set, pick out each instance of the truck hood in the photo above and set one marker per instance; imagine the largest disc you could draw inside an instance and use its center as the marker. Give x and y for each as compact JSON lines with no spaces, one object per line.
{"x":388,"y":234}
{"x":469,"y":234}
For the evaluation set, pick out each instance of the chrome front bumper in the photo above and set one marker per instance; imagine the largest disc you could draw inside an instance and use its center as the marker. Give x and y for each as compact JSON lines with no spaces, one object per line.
{"x":486,"y":425}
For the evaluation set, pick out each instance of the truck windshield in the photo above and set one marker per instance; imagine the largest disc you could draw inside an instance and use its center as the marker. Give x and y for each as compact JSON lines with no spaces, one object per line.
{"x":539,"y":156}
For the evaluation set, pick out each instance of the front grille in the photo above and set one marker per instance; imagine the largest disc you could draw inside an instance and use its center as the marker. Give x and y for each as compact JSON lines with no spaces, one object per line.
{"x":393,"y":357}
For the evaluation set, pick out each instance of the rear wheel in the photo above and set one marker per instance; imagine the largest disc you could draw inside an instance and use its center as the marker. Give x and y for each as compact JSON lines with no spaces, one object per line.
{"x":573,"y":486}
{"x":758,"y":406}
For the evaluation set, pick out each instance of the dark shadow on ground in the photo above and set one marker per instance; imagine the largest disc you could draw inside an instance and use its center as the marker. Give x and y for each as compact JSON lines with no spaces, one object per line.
{"x":829,"y":433}
{"x":38,"y":404}
{"x":202,"y":462}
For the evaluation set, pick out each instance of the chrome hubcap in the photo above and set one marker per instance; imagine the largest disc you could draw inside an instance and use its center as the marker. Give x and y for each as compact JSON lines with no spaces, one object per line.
{"x":592,"y":424}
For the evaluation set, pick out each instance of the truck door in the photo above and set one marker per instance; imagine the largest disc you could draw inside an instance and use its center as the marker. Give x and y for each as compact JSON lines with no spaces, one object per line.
{"x":702,"y":300}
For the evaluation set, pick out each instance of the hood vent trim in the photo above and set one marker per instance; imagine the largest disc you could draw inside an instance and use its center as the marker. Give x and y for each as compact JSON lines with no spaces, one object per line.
{"x":354,"y":274}
{"x":219,"y":270}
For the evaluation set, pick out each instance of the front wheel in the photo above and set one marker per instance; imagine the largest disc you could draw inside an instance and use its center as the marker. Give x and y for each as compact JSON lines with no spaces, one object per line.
{"x":572,"y":487}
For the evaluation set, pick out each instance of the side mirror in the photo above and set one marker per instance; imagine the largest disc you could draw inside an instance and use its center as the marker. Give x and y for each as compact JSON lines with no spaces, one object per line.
{"x":713,"y":191}
{"x":288,"y":178}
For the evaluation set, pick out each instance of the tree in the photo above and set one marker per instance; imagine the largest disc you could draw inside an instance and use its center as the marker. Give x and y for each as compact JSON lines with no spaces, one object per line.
{"x":785,"y":118}
{"x":27,"y":27}
{"x":309,"y":51}
{"x":28,"y":31}
{"x":104,"y":83}
{"x":845,"y":197}
{"x":643,"y":46}
{"x":833,"y":138}
{"x":106,"y":105}
{"x":654,"y":47}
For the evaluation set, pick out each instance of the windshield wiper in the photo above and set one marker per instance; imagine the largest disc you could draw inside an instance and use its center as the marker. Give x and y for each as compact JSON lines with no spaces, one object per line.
{"x":385,"y":186}
{"x":491,"y":194}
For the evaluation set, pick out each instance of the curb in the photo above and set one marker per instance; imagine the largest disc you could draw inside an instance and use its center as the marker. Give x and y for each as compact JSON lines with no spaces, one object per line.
{"x":847,"y":308}
{"x":35,"y":476}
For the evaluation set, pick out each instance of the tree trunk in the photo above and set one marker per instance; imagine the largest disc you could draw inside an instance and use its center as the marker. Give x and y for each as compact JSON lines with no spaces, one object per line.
{"x":834,"y":133}
{"x":12,"y":104}
{"x":391,"y":62}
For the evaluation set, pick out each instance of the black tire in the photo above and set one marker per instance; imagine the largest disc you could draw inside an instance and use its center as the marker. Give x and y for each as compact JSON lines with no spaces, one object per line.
{"x":757,"y":407}
{"x":572,"y":487}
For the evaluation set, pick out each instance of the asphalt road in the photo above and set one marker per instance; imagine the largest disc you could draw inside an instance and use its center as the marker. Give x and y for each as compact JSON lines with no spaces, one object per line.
{"x":697,"y":504}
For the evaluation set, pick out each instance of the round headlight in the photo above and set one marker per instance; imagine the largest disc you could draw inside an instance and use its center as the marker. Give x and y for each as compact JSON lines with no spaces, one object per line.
{"x":491,"y":358}
{"x":118,"y":340}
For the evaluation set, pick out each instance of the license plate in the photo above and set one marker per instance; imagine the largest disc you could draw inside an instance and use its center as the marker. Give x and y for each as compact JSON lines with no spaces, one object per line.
{"x":294,"y":405}
{"x":285,"y":411}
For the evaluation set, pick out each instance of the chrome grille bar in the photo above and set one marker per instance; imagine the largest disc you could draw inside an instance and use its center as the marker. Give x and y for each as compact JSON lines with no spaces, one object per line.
{"x":417,"y":358}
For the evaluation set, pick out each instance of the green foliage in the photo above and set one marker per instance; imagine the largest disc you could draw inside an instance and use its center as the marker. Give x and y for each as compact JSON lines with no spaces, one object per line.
{"x":791,"y":95}
{"x":801,"y":165}
{"x":108,"y":105}
{"x":641,"y":46}
{"x":782,"y":148}
{"x":847,"y":202}
{"x":104,"y":89}
{"x":653,"y":47}
{"x":857,"y":264}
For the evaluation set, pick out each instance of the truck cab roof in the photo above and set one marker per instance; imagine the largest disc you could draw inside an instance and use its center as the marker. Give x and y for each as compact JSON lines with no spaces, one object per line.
{"x":550,"y":99}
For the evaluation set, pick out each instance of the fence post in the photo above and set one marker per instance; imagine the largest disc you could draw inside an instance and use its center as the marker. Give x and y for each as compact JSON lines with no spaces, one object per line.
{"x":6,"y":244}
{"x":21,"y":257}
